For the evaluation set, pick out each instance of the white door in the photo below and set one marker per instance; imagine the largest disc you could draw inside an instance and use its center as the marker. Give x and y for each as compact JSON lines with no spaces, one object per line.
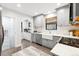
{"x":8,"y":33}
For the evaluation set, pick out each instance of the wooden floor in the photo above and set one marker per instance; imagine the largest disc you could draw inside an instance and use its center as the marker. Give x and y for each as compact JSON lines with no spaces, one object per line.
{"x":25,"y":44}
{"x":8,"y":52}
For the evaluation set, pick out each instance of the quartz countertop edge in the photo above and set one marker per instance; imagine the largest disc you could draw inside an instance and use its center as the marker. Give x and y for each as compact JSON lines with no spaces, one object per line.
{"x":62,"y":35}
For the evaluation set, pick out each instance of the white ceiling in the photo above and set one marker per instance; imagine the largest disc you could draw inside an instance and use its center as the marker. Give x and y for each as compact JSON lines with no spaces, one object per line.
{"x":31,"y":8}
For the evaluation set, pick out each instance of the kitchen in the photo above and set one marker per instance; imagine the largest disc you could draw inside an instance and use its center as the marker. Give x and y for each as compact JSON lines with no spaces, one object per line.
{"x":54,"y":30}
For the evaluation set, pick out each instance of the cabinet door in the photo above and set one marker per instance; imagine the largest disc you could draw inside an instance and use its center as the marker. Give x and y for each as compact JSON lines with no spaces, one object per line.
{"x":63,"y":16}
{"x":45,"y":42}
{"x":38,"y":23}
{"x":50,"y":43}
{"x":38,"y":38}
{"x":33,"y":38}
{"x":77,"y":9}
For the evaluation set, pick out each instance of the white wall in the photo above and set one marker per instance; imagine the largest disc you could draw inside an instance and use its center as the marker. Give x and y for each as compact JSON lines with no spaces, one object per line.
{"x":17,"y":18}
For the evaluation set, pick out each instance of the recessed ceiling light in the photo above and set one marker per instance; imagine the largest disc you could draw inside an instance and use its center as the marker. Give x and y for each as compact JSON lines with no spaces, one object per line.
{"x":18,"y":5}
{"x":58,"y":4}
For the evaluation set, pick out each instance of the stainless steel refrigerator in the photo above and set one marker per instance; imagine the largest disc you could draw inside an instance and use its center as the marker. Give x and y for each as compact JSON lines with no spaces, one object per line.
{"x":1,"y":33}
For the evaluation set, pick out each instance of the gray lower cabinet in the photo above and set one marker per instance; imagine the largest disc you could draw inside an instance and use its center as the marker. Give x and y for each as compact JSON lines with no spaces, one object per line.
{"x":55,"y":40}
{"x":47,"y":43}
{"x":50,"y":43}
{"x":33,"y":38}
{"x":37,"y":38}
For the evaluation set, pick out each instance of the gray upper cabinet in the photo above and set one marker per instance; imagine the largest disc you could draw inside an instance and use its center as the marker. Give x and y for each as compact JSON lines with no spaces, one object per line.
{"x":63,"y":16}
{"x":38,"y":23}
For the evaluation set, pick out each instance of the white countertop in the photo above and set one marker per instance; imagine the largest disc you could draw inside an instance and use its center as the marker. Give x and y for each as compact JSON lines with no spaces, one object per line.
{"x":65,"y":50}
{"x":68,"y":36}
{"x":62,"y":35}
